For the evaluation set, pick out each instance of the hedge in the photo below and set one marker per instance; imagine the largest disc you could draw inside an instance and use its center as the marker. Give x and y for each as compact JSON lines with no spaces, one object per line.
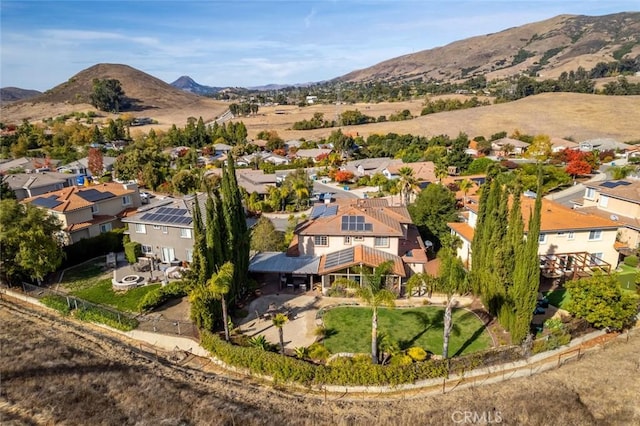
{"x":157,"y":297}
{"x":631,"y":261}
{"x":132,"y":251}
{"x":287,"y":369}
{"x":89,"y":248}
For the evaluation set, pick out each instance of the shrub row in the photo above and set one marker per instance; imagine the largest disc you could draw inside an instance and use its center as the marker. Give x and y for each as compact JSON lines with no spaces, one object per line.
{"x":347,"y":373}
{"x":160,"y":295}
{"x":59,"y":303}
{"x":112,"y":319}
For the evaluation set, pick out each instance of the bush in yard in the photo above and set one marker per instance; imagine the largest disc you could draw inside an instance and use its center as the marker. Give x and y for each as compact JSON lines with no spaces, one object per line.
{"x":401,"y":359}
{"x":631,"y":261}
{"x":161,"y":295}
{"x":417,"y":353}
{"x":88,"y":248}
{"x":600,"y":301}
{"x":132,"y":251}
{"x":59,"y":303}
{"x":318,"y":352}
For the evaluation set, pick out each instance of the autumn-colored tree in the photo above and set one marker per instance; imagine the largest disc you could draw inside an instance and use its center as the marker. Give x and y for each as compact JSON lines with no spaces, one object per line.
{"x":578,"y":168}
{"x":342,"y":176}
{"x":95,"y":161}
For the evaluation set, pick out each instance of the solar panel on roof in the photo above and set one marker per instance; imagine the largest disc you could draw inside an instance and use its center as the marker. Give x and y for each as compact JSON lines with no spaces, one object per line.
{"x":161,"y":210}
{"x":48,"y":203}
{"x":339,"y":258}
{"x":146,"y":216}
{"x":609,"y":184}
{"x":330,"y":211}
{"x":317,"y":211}
{"x":93,"y":195}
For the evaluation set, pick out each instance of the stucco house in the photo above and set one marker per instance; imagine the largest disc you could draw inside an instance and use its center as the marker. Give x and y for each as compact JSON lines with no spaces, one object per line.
{"x":571,"y":242}
{"x":341,"y":237}
{"x":87,"y":211}
{"x":618,"y":201}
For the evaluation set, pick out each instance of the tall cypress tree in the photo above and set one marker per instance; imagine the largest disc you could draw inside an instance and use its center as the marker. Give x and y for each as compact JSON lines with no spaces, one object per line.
{"x":526,"y":275}
{"x":236,"y":230}
{"x":199,"y":263}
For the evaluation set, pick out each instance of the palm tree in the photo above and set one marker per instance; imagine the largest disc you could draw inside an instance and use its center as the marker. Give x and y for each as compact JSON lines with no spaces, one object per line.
{"x":220,"y":284}
{"x":452,"y":281}
{"x":465,"y":185}
{"x":301,"y":191}
{"x":373,"y":292}
{"x":279,"y":320}
{"x":441,"y":171}
{"x":407,"y":183}
{"x":421,"y":282}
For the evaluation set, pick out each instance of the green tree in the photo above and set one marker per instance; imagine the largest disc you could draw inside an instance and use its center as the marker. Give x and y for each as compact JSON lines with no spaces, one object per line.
{"x":279,"y":320}
{"x":30,"y":245}
{"x":107,"y":95}
{"x":185,"y":182}
{"x":6,"y":193}
{"x":600,"y":301}
{"x":407,"y":184}
{"x":265,"y":237}
{"x":465,"y":186}
{"x":420,"y":284}
{"x":373,"y":292}
{"x":433,"y":208}
{"x":219,"y":285}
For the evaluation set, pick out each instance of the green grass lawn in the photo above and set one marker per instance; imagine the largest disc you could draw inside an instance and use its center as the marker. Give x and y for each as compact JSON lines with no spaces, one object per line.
{"x":103,"y":294}
{"x":85,"y":275}
{"x":349,"y":329}
{"x":627,"y":277}
{"x":558,"y":298}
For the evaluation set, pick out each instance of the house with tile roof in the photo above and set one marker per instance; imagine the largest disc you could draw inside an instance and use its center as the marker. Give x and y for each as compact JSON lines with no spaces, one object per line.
{"x":619,"y":201}
{"x":507,"y":146}
{"x":346,"y":235}
{"x":571,"y":242}
{"x":87,"y":211}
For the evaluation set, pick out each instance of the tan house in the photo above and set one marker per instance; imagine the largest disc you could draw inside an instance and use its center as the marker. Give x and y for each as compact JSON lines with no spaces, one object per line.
{"x":349,"y":234}
{"x":87,"y":211}
{"x":571,"y":242}
{"x":618,"y":201}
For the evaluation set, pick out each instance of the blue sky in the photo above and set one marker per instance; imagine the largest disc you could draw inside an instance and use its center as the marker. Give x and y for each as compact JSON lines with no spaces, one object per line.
{"x":247,"y":43}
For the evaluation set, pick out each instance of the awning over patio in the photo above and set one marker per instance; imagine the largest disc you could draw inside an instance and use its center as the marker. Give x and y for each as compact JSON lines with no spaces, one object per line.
{"x":280,"y":262}
{"x":359,"y":255}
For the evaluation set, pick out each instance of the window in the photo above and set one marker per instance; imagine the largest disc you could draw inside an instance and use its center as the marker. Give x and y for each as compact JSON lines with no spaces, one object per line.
{"x":542,"y":238}
{"x":595,"y":258}
{"x":321,"y":240}
{"x":94,"y":208}
{"x":141,"y":228}
{"x":189,"y":256}
{"x":590,"y":193}
{"x":347,"y":240}
{"x":156,"y":226}
{"x":105,"y":227}
{"x":604,"y":200}
{"x":595,"y":235}
{"x":571,"y":235}
{"x":381,"y":242}
{"x":561,"y":234}
{"x":165,"y":230}
{"x":360,"y":238}
{"x":147,"y":249}
{"x":126,"y":200}
{"x":185,"y":233}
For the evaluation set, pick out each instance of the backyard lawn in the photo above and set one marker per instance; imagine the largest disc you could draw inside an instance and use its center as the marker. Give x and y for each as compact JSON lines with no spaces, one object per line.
{"x":349,"y":329}
{"x":627,"y":277}
{"x":558,"y":298}
{"x":90,"y":282}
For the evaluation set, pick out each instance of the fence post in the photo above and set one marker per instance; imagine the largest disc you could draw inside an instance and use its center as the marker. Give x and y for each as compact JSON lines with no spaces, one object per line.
{"x":178,"y":323}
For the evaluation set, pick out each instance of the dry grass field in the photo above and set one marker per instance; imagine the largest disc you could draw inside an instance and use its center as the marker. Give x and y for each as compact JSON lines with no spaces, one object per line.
{"x":59,"y":372}
{"x":556,"y":114}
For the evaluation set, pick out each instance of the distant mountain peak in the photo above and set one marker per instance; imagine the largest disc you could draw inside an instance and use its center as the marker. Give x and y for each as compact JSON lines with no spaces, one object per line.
{"x":188,"y":84}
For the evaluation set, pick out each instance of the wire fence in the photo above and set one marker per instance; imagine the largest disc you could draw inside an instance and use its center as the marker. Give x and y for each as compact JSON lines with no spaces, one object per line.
{"x":154,"y":323}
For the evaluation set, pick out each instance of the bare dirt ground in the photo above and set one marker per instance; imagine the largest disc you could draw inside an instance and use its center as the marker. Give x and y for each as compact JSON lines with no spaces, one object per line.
{"x":56,"y":371}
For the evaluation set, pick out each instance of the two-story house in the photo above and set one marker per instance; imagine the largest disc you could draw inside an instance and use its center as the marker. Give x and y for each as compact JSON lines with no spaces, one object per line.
{"x":87,"y":211}
{"x":346,"y":235}
{"x":619,"y":201}
{"x":164,"y":229}
{"x":571,"y":242}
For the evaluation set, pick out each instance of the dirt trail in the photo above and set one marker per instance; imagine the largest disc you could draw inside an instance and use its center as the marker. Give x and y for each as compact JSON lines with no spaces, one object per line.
{"x":57,"y":371}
